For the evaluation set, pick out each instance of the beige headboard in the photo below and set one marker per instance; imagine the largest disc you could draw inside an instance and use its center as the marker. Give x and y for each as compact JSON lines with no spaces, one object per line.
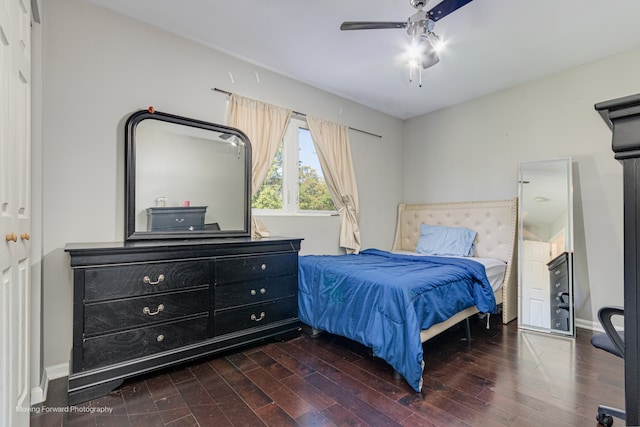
{"x":495,"y":221}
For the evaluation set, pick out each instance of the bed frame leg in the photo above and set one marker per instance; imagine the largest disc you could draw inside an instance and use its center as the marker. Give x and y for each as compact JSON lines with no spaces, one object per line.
{"x":467,"y":329}
{"x":312,"y":332}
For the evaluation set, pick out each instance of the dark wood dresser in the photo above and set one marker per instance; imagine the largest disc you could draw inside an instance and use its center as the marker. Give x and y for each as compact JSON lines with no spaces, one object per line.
{"x":142,"y":306}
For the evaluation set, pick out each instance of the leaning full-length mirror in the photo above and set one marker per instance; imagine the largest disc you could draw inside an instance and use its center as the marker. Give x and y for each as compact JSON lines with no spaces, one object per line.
{"x":185,"y":178}
{"x":545,"y":246}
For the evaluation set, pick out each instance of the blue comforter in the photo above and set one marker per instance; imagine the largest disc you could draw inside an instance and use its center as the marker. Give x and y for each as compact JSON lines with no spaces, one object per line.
{"x":383,"y":300}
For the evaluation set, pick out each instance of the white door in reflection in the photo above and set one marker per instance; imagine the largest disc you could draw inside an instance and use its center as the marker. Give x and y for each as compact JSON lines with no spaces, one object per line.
{"x":535,"y":284}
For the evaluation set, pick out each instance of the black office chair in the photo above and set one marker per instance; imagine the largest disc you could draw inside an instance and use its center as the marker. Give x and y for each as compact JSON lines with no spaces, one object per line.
{"x":611,"y":341}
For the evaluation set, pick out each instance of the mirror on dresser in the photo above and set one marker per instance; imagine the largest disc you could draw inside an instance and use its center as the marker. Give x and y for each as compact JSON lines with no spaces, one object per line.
{"x":545,"y":246}
{"x":185,"y":178}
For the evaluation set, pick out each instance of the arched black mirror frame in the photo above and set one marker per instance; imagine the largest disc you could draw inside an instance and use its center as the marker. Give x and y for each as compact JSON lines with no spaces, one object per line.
{"x":130,"y":178}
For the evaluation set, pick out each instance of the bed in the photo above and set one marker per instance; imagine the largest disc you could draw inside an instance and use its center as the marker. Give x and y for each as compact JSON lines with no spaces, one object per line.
{"x":387,"y":301}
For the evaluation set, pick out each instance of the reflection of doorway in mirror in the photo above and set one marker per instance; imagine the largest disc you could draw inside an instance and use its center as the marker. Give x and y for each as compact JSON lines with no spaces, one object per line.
{"x":545,"y":213}
{"x":535,"y":284}
{"x":557,"y":243}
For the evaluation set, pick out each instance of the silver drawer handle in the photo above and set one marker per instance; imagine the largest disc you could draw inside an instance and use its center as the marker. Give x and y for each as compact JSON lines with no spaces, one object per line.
{"x":262,"y":291}
{"x":257,"y":319}
{"x":263,"y":267}
{"x":160,"y":338}
{"x":146,"y":310}
{"x":147,"y":279}
{"x":179,"y":219}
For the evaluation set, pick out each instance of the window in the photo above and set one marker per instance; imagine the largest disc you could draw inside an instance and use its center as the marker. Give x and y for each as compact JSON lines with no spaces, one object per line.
{"x":295,"y":183}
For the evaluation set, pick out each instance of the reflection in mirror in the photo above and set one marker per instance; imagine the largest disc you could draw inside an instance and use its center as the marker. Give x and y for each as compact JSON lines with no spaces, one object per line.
{"x":185,"y":178}
{"x":545,"y":246}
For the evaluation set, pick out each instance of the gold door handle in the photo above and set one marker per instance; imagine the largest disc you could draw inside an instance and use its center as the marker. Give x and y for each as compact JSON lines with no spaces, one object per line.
{"x":147,"y":279}
{"x":25,"y":236}
{"x":11,"y":237}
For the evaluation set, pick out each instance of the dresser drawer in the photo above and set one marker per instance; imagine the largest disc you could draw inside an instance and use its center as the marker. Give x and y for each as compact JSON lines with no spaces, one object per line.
{"x":176,"y":219}
{"x":559,"y":267}
{"x":241,"y":269}
{"x":559,"y":284}
{"x":235,"y":294}
{"x":559,"y":274}
{"x":251,"y":316}
{"x":118,"y":347}
{"x":560,"y":323}
{"x":557,"y":312}
{"x":109,"y":316}
{"x":104,"y":283}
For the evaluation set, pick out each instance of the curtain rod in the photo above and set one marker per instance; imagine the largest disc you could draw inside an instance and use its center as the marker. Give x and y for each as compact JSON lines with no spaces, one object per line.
{"x":297,"y":113}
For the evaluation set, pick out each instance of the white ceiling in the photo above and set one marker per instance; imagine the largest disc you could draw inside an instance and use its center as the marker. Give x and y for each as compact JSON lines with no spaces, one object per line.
{"x":491,"y":44}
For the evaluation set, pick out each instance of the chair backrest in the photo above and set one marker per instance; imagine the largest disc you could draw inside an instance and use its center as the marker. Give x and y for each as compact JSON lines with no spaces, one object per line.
{"x":612,"y":340}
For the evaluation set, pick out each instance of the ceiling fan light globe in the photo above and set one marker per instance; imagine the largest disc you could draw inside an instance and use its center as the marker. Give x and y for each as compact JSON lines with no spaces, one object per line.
{"x":436,"y":42}
{"x":429,"y":59}
{"x":414,"y":52}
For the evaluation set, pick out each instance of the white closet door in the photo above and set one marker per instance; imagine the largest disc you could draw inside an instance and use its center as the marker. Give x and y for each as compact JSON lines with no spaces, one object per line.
{"x":15,"y":212}
{"x":536,"y":304}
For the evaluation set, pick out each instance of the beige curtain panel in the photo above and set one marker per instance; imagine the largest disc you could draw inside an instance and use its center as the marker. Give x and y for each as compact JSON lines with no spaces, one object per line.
{"x":265,"y":125}
{"x":334,"y":152}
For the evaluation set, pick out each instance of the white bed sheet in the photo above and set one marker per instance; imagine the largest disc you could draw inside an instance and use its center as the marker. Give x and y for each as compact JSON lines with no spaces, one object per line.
{"x":494,"y":268}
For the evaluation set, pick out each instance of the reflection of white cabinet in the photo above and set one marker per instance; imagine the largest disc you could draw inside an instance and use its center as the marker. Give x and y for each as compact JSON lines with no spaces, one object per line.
{"x":535,"y":302}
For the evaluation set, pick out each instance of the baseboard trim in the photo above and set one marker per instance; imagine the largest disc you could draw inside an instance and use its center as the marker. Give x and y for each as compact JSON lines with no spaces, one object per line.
{"x":39,"y":394}
{"x":588,"y":324}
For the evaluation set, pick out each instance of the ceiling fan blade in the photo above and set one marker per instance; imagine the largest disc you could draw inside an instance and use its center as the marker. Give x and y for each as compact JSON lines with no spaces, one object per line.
{"x":358,"y":25}
{"x":446,"y":7}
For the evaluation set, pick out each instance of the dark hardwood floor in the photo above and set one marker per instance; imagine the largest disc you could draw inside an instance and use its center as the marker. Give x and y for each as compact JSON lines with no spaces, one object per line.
{"x":504,"y":377}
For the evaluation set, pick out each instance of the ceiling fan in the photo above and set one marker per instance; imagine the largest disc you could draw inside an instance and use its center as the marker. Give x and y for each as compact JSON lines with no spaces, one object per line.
{"x":419,"y":26}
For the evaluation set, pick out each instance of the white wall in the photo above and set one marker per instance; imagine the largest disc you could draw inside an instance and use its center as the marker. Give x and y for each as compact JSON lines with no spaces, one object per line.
{"x":98,"y":68}
{"x":471,"y":151}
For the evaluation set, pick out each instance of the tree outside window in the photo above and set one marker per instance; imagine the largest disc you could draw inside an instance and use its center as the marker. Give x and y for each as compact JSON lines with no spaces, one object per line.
{"x":281,"y":191}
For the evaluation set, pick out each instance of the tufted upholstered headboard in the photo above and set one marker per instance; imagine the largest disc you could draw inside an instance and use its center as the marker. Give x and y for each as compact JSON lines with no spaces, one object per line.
{"x":495,"y":222}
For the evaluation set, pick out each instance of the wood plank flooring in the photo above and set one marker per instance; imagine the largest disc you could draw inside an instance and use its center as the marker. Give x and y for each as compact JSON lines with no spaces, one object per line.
{"x":504,"y":377}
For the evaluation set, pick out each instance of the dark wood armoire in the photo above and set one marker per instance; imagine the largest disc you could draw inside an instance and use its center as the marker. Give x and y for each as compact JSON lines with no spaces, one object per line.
{"x":622,"y":115}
